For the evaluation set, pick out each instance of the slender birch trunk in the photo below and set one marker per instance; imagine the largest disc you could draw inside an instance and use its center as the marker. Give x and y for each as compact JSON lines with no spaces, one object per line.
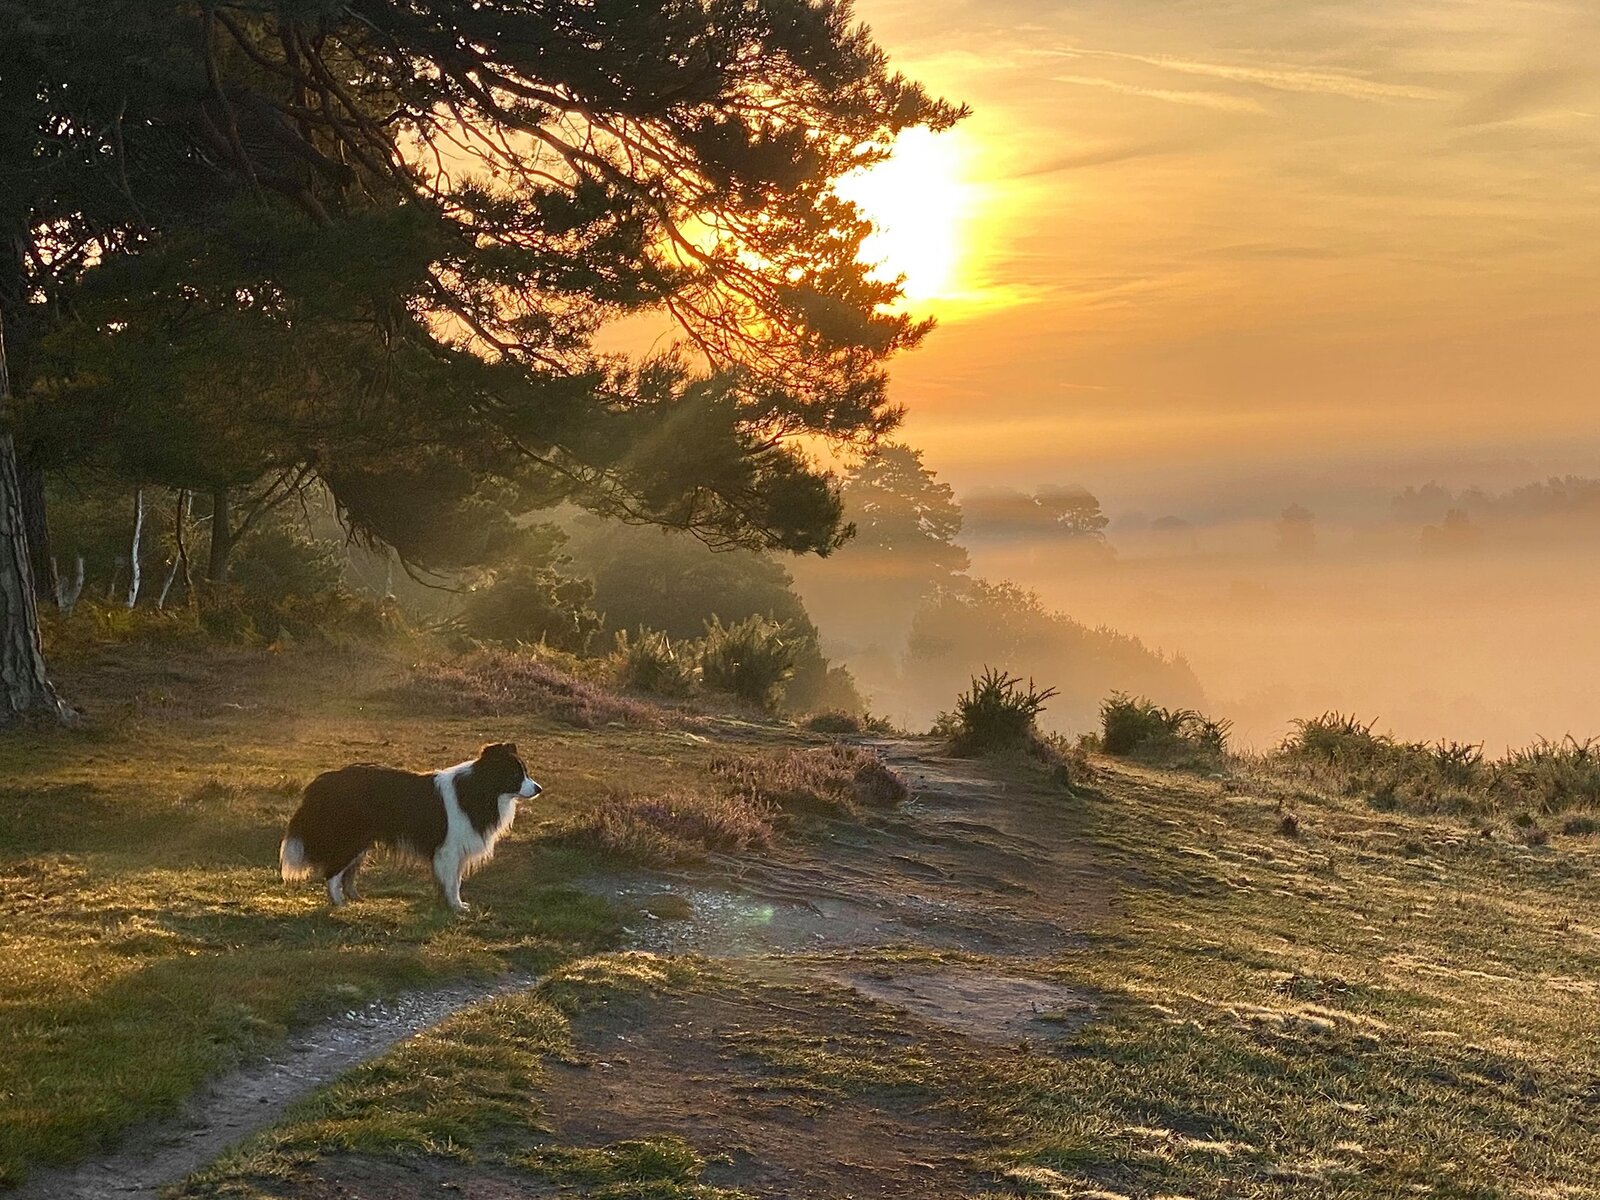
{"x":135,"y":575}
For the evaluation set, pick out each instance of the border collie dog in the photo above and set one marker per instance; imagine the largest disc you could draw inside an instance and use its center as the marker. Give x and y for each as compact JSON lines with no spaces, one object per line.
{"x":451,"y":818}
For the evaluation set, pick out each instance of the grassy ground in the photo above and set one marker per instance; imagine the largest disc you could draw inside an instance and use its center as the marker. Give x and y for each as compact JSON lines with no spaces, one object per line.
{"x":1352,"y":1003}
{"x":145,"y":937}
{"x":1369,"y":1005}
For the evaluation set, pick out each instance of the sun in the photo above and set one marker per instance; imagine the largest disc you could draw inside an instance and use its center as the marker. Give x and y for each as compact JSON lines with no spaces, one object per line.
{"x":919,"y":202}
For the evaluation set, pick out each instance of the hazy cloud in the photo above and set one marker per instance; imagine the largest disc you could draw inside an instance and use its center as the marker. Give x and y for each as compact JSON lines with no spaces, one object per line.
{"x":1219,"y":101}
{"x":1524,"y":93}
{"x":1101,"y":156}
{"x":1275,"y":76}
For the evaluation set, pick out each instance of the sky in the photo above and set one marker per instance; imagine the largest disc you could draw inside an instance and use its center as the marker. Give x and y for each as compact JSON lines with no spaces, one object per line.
{"x":1181,"y":245}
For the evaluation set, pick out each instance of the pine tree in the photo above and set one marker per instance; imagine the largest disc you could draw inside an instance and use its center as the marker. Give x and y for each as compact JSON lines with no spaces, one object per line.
{"x":375,"y":241}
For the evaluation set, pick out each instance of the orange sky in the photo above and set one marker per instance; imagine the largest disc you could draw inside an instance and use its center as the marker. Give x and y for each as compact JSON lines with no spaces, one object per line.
{"x":1203,"y":239}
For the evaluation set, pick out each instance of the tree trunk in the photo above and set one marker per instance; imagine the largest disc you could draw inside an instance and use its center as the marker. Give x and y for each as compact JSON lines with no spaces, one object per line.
{"x":25,"y":689}
{"x":30,"y":479}
{"x":138,"y":535}
{"x":221,"y":536}
{"x":67,"y":597}
{"x":180,"y":560}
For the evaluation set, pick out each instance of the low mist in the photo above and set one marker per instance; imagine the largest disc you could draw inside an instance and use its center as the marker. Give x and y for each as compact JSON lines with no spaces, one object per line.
{"x":1458,"y":615}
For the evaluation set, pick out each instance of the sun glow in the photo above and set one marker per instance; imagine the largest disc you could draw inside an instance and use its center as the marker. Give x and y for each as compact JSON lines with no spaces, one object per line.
{"x":920,"y":204}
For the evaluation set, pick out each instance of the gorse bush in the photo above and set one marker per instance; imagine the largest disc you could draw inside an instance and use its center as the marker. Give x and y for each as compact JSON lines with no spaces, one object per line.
{"x":996,"y":713}
{"x":1136,"y":726}
{"x":1552,"y":776}
{"x":650,"y":662}
{"x":752,"y":659}
{"x":532,"y":602}
{"x":1346,"y":754}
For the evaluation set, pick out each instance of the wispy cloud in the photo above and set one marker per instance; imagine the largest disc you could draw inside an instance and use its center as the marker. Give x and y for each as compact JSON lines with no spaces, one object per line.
{"x":1277,"y":77}
{"x":1220,"y":101}
{"x":1525,"y":93}
{"x":1102,"y":155}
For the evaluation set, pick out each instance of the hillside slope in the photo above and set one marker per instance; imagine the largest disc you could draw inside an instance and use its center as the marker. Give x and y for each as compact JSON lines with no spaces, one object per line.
{"x":1149,"y":985}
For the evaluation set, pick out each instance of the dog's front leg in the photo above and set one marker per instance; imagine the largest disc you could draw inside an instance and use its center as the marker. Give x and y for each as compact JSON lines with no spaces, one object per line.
{"x":448,"y":866}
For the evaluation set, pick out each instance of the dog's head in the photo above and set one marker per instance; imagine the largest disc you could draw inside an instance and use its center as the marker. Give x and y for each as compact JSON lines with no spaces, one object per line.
{"x":501,"y":767}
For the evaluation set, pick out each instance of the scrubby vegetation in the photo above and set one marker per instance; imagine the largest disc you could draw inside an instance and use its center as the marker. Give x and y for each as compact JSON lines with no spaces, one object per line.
{"x":649,"y":661}
{"x":979,"y":622}
{"x":1136,"y":727}
{"x":751,"y":659}
{"x":996,"y":713}
{"x":836,"y":780}
{"x":671,"y":828}
{"x":759,"y":793}
{"x":522,"y":682}
{"x":1347,"y":755}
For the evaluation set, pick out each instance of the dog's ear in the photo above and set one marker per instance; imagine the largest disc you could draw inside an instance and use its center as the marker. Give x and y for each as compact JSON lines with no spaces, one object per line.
{"x":499,"y":750}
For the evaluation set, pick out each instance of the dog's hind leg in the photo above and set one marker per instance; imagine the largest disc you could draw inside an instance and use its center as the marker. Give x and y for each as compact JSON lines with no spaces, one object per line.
{"x":347,"y":877}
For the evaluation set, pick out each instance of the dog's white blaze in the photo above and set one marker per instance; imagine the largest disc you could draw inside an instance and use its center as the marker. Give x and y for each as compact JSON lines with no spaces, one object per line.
{"x":464,"y":847}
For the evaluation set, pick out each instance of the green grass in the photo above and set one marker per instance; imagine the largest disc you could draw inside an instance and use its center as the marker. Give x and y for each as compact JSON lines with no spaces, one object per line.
{"x":148,"y":942}
{"x":466,"y":1089}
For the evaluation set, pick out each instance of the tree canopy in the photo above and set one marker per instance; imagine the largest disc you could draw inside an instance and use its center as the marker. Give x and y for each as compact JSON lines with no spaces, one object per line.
{"x":375,"y":242}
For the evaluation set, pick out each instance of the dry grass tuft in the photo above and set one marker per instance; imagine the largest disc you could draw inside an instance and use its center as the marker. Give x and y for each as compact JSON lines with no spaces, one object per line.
{"x":838,"y":780}
{"x":511,"y":683}
{"x":672,"y":828}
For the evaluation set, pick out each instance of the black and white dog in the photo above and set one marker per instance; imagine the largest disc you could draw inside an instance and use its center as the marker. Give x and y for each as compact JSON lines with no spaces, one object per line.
{"x":452,"y":818}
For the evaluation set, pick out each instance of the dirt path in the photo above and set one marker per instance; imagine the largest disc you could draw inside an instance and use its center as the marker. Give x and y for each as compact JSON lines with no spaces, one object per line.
{"x":967,"y":864}
{"x":248,"y":1101}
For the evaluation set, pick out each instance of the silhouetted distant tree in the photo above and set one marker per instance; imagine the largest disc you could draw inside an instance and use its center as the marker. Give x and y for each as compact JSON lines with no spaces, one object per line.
{"x":905,"y":518}
{"x":1455,"y":532}
{"x":1066,"y":512}
{"x":1175,"y":532}
{"x":1075,"y":510}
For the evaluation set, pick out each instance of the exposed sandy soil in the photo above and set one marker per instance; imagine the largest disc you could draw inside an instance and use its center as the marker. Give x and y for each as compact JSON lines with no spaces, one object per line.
{"x":979,"y":1004}
{"x":671,"y":1066}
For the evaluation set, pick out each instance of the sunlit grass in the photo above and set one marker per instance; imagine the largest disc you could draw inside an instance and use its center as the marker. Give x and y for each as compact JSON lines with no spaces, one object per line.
{"x":146,"y":939}
{"x":1378,"y":1005}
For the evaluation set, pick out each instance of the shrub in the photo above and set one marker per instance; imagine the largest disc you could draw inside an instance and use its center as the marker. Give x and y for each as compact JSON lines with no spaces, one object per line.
{"x":1553,"y":776}
{"x":751,"y":659}
{"x":276,"y":563}
{"x":996,"y":713}
{"x":1547,"y":776}
{"x":1136,"y":726}
{"x":503,"y":683}
{"x":836,"y":780}
{"x":649,"y":662}
{"x":532,"y":602}
{"x":835,"y":722}
{"x":1336,"y":739}
{"x":671,"y":828}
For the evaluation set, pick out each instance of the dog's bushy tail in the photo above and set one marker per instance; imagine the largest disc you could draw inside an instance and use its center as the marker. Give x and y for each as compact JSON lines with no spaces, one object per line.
{"x":292,"y":861}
